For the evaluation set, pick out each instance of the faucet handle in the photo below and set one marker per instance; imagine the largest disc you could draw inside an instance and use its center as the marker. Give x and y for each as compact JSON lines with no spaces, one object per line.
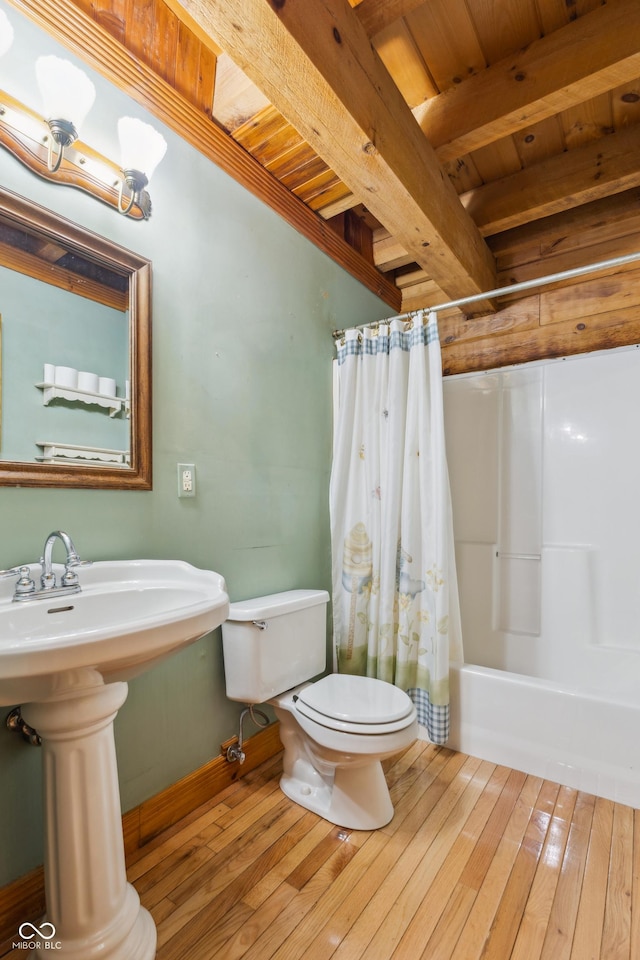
{"x":25,"y":584}
{"x":70,"y":577}
{"x":75,"y":561}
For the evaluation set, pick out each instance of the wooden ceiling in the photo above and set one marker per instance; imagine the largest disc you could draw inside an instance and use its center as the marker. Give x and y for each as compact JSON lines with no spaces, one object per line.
{"x":413,"y":140}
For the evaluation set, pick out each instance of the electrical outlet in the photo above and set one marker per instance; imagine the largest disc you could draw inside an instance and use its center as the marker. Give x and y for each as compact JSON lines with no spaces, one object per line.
{"x":186,"y":480}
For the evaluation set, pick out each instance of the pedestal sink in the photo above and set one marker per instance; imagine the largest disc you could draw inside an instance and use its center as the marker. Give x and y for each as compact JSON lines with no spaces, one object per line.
{"x":67,"y":660}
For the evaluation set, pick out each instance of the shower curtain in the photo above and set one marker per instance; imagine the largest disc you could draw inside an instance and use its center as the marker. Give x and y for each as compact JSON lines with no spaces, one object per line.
{"x":395,"y":598}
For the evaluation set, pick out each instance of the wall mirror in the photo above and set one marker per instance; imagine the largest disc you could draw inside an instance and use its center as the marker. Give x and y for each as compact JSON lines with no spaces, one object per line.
{"x":75,"y":348}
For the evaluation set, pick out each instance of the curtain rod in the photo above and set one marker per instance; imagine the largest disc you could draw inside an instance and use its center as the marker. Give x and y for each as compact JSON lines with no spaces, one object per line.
{"x":503,"y":291}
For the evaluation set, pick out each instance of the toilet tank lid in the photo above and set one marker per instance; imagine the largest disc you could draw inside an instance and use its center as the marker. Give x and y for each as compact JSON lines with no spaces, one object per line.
{"x":276,"y":604}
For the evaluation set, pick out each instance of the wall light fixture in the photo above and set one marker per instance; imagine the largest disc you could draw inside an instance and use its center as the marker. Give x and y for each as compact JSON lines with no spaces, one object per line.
{"x":141,"y":148}
{"x":49,"y":145}
{"x":66,"y":92}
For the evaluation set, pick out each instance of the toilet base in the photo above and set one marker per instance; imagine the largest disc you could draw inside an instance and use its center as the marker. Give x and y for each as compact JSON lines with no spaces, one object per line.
{"x":353,"y":797}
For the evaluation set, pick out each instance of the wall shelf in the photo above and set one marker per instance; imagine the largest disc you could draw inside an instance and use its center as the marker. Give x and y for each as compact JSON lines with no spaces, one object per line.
{"x":53,"y":390}
{"x":70,"y":453}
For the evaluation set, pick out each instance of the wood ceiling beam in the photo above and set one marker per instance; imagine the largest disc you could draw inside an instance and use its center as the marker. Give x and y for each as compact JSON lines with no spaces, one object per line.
{"x":388,"y":254}
{"x":593,"y":224}
{"x":315,"y":63}
{"x":603,"y":167}
{"x":590,"y":56}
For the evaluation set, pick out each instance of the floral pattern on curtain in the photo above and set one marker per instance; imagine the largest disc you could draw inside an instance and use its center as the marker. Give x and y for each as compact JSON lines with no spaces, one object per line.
{"x":395,"y":598}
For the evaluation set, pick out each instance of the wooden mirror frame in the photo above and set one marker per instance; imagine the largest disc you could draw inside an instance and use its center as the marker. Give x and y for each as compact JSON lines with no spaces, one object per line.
{"x":46,"y":225}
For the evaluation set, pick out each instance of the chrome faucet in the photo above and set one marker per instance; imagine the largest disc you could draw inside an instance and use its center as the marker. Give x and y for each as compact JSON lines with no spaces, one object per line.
{"x":69,"y":577}
{"x":26,"y":587}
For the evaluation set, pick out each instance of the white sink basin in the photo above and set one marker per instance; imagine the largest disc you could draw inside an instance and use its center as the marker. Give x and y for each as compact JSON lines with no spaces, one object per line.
{"x":64,"y":658}
{"x":128,"y":616}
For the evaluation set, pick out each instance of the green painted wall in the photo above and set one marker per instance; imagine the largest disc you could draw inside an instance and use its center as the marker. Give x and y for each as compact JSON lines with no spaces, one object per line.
{"x":243,"y":309}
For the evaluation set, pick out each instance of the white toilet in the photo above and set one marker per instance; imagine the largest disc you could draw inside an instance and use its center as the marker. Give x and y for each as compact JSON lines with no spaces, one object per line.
{"x":335,"y":731}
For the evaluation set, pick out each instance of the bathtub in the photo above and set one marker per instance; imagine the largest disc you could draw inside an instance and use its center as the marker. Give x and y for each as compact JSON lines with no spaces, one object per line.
{"x":547,"y":729}
{"x":546,"y":525}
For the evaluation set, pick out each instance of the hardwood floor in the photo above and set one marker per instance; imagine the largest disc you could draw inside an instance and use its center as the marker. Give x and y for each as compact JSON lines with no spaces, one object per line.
{"x":479,"y":863}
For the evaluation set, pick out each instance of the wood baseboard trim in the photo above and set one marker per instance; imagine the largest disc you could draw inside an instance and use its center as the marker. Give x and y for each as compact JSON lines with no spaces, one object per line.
{"x":156,"y":814}
{"x":23,"y":899}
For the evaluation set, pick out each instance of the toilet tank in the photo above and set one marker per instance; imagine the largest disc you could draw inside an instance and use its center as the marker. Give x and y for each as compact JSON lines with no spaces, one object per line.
{"x":273,"y":643}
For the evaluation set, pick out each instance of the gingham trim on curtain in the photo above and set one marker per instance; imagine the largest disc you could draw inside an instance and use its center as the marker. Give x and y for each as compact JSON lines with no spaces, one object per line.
{"x":385,"y":341}
{"x":432,"y":716}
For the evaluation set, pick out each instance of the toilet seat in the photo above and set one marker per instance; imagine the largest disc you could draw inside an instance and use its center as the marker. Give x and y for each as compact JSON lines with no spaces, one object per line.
{"x":354,"y":704}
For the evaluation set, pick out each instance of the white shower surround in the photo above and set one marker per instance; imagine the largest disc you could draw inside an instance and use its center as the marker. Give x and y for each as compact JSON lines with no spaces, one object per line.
{"x":545,"y":472}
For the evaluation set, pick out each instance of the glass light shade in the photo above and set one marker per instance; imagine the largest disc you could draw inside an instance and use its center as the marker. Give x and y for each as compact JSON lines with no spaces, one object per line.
{"x":6,"y":33}
{"x":67,"y":92}
{"x":141,"y":147}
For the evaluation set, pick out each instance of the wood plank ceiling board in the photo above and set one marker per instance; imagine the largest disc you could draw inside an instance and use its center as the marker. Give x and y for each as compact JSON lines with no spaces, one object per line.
{"x":603,"y":167}
{"x":625,"y":104}
{"x":447,"y":40}
{"x":111,"y":15}
{"x":318,"y":67}
{"x":554,"y":14}
{"x":397,"y":50}
{"x":539,"y":141}
{"x":297,"y":158}
{"x":609,"y":227}
{"x":267,"y":135}
{"x":337,"y":198}
{"x":537,"y":82}
{"x":139,"y":35}
{"x":463,"y":174}
{"x":587,"y":121}
{"x":317,"y":186}
{"x":511,"y":25}
{"x":333,"y":206}
{"x":196,"y":68}
{"x":499,"y":160}
{"x":164,"y":42}
{"x":306,"y":179}
{"x":377,"y":15}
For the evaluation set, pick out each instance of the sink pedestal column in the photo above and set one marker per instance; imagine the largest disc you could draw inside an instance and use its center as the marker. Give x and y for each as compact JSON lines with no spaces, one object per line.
{"x":95,"y":912}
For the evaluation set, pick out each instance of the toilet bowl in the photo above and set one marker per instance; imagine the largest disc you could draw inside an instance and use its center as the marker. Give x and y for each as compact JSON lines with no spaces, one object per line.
{"x":335,"y":731}
{"x":334,"y":747}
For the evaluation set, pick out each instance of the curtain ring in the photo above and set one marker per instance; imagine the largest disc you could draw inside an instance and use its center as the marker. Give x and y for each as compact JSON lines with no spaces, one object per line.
{"x":359,"y":338}
{"x":413,"y":316}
